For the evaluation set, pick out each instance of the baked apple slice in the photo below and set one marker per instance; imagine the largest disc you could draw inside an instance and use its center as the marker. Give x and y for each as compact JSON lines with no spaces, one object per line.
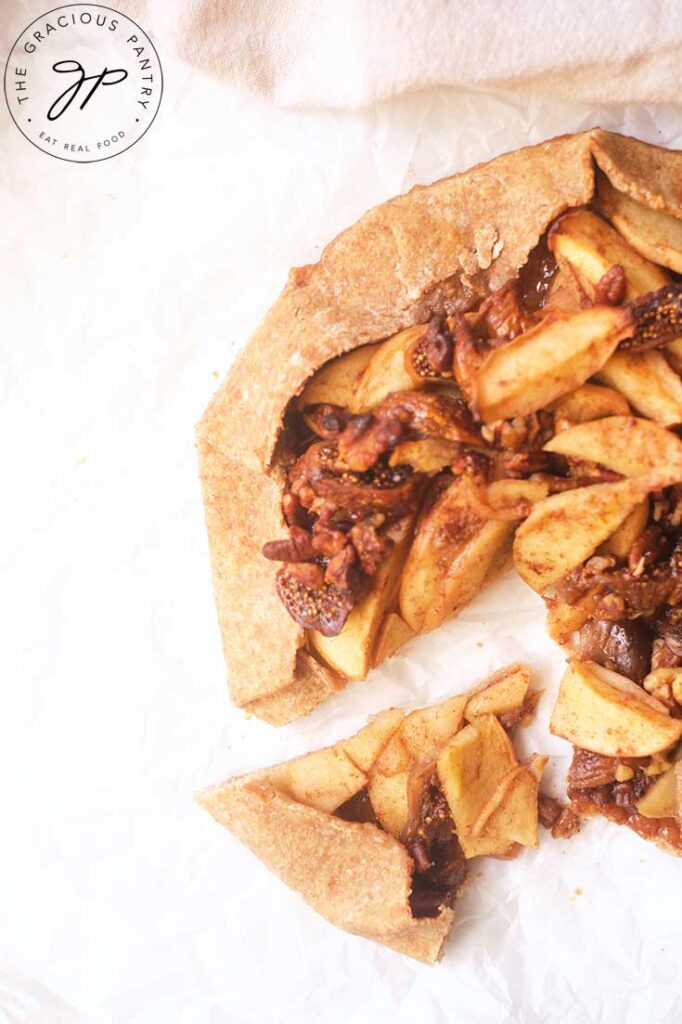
{"x":394,"y":632}
{"x":563,"y":531}
{"x":478,"y":771}
{"x":619,"y":544}
{"x":626,"y":444}
{"x":549,"y":361}
{"x":626,"y":754}
{"x":453,"y":552}
{"x":655,"y":235}
{"x":388,"y":370}
{"x":511,"y":813}
{"x":414,"y":745}
{"x":503,"y":692}
{"x":590,"y":402}
{"x":606,"y":713}
{"x":592,"y":247}
{"x":314,"y":821}
{"x":648,"y":382}
{"x":664,"y":799}
{"x":335,"y":383}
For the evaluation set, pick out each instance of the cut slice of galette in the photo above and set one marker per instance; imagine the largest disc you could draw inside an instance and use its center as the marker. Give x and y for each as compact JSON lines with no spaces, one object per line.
{"x":377,"y":832}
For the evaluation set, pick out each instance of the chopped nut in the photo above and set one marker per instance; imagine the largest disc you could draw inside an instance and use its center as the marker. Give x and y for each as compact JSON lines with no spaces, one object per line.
{"x":662,"y":683}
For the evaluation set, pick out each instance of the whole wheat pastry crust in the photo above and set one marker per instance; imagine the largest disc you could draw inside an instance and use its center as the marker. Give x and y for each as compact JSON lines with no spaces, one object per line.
{"x":432,"y":251}
{"x":391,"y":867}
{"x":358,"y":877}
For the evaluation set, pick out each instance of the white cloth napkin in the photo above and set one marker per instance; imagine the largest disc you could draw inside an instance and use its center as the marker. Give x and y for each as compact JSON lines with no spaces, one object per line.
{"x":350,"y":53}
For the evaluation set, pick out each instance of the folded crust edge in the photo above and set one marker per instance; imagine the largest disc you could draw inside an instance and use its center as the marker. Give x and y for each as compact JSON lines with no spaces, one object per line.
{"x":356,"y":876}
{"x":432,"y":249}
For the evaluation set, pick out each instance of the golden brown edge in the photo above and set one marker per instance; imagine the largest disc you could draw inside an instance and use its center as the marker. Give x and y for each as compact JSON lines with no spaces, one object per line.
{"x":356,"y":876}
{"x":431,"y":249}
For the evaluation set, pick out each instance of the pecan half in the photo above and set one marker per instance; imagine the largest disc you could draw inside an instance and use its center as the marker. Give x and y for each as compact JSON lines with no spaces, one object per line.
{"x":371,"y":547}
{"x":503,"y":314}
{"x":553,"y":815}
{"x":341,"y":569}
{"x":298,"y":548}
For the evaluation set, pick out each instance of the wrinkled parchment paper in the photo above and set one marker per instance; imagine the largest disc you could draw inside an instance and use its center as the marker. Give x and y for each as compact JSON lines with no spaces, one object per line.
{"x":127,"y":287}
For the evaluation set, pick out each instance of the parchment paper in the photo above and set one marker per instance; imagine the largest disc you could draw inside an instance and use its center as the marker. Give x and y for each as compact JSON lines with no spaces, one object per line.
{"x":127,"y":287}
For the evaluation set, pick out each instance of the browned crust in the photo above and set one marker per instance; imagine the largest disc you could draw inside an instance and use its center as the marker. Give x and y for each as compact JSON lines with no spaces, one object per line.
{"x":357,"y":876}
{"x":649,"y":174}
{"x":432,"y":250}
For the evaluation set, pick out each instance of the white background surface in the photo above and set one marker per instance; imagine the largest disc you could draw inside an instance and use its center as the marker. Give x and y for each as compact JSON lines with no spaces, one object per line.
{"x":126,"y":288}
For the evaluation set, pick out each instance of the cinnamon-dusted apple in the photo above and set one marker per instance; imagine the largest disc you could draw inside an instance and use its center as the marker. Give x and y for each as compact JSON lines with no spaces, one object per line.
{"x":409,"y":360}
{"x":388,"y":370}
{"x":566,"y":528}
{"x":511,"y":813}
{"x":655,"y":235}
{"x":623,"y":538}
{"x":551,"y":360}
{"x":592,"y":247}
{"x":627,"y":444}
{"x":336,"y":382}
{"x":316,"y":822}
{"x":607,"y":713}
{"x":664,"y":798}
{"x":393,"y":634}
{"x":626,"y":754}
{"x":648,"y":382}
{"x":420,"y":372}
{"x":454,"y":550}
{"x":590,"y":402}
{"x":502,"y":693}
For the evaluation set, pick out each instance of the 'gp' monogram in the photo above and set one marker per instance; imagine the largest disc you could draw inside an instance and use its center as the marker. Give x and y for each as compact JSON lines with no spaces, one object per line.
{"x":109,"y":76}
